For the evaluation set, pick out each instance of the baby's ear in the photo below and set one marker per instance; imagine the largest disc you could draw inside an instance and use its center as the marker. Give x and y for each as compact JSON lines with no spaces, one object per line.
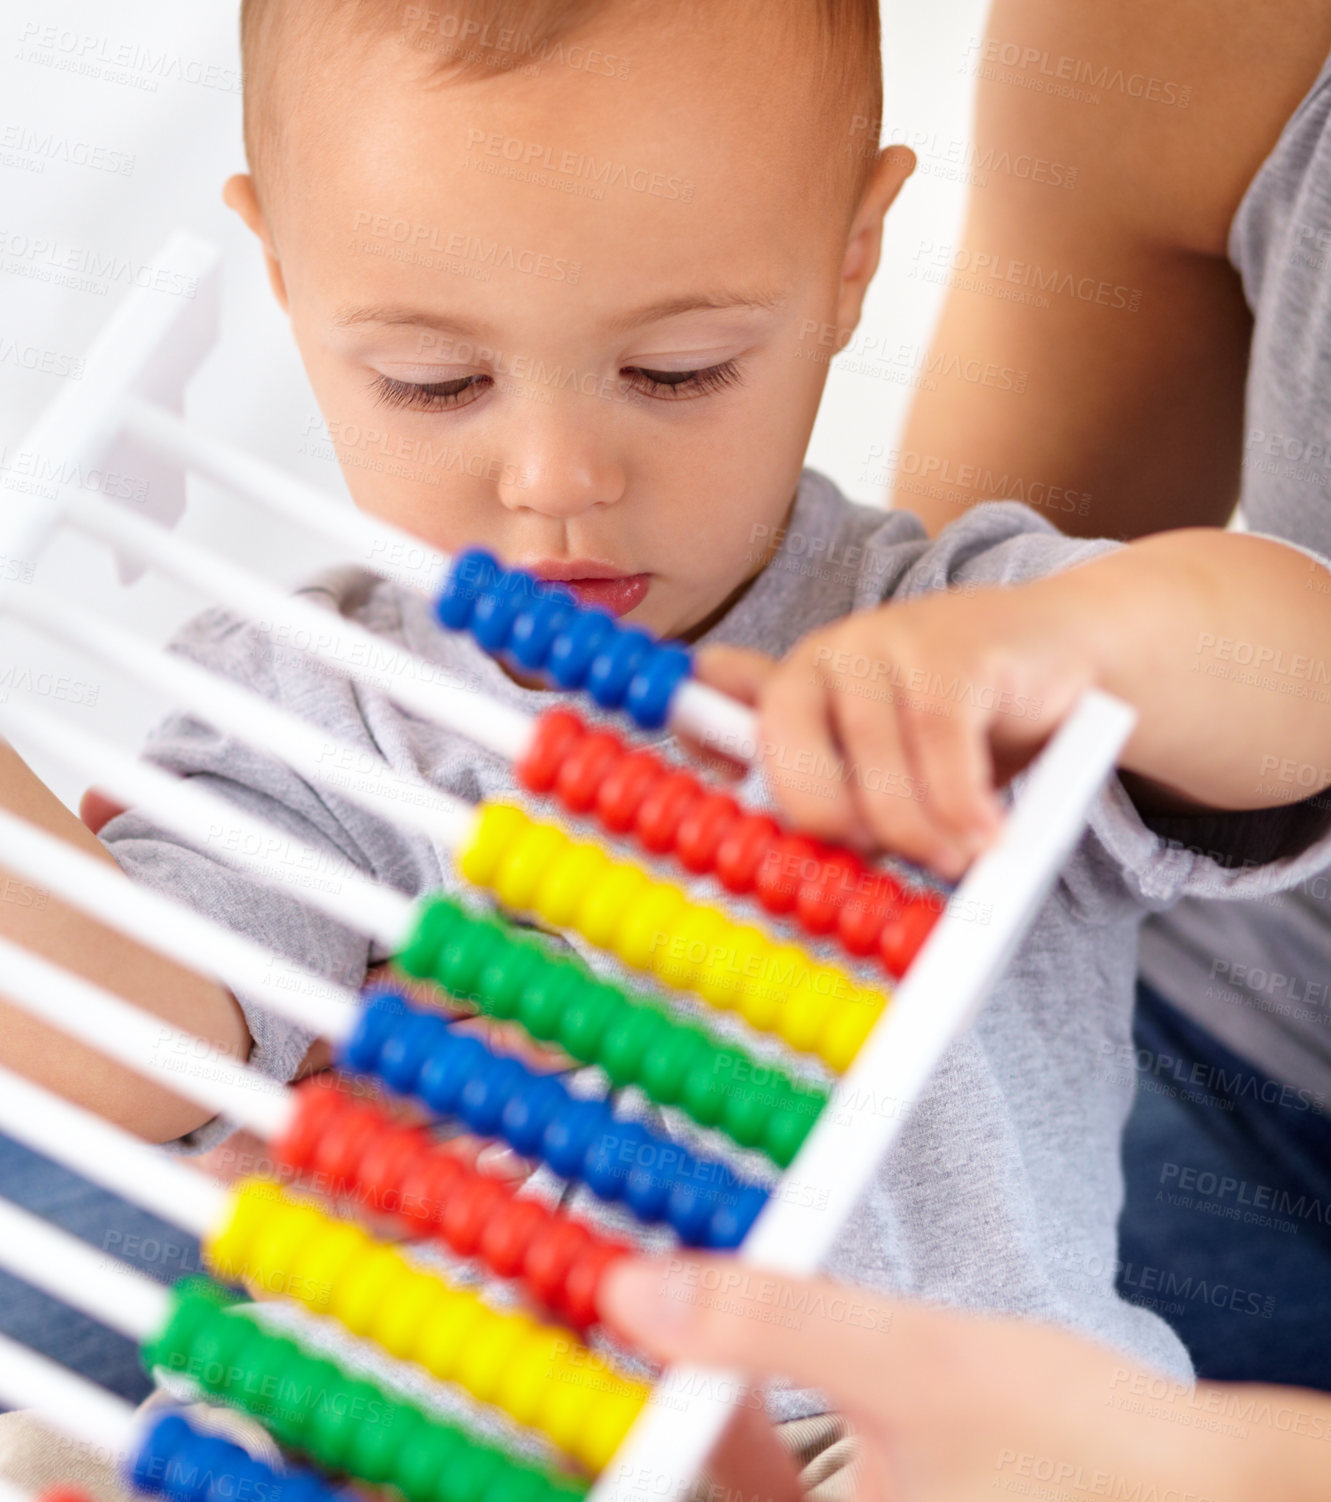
{"x":864,"y":246}
{"x":239,"y":194}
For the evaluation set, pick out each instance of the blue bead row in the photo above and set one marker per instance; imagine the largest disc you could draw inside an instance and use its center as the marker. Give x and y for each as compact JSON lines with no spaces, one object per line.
{"x":544,"y":629}
{"x":176,"y":1461}
{"x":415,"y":1052}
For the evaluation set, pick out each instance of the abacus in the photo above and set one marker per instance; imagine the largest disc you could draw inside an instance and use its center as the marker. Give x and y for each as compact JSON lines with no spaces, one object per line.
{"x":775,"y":1092}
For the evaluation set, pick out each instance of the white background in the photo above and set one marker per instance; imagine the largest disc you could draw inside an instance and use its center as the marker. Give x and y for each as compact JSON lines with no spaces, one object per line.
{"x":180,"y":139}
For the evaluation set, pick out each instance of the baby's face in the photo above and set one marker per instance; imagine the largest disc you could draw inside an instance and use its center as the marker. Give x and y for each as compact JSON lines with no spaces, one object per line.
{"x":574,"y":318}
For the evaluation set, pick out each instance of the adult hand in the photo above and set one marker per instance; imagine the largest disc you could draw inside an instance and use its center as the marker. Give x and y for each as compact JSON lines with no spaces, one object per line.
{"x":951,"y":1406}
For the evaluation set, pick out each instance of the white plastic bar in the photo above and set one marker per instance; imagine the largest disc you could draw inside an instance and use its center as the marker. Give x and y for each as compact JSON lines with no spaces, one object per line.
{"x":106,"y":894}
{"x":934,"y":1004}
{"x":109,"y":1156}
{"x":314,"y":753}
{"x":304,"y":627}
{"x":376,"y":545}
{"x":67,"y":1402}
{"x":715,"y":720}
{"x":76,"y":1273}
{"x":149,"y":1045}
{"x":208,"y":822}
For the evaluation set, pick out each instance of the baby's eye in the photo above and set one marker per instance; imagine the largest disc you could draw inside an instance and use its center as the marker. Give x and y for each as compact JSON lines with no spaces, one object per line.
{"x":673,"y":385}
{"x":433,"y":396}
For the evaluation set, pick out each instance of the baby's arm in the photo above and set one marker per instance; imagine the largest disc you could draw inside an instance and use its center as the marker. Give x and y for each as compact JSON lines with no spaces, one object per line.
{"x":1213,"y":637}
{"x":64,"y":934}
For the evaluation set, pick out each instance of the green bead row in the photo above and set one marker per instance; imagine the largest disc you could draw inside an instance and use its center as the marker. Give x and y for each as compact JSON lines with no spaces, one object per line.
{"x":343,"y":1422}
{"x":555,"y":998}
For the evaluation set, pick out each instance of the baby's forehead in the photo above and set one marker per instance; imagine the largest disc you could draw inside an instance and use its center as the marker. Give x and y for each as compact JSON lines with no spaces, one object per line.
{"x":565,"y":80}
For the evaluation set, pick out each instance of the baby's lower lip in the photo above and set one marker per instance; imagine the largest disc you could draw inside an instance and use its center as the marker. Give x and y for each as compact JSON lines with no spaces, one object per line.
{"x":618,"y":596}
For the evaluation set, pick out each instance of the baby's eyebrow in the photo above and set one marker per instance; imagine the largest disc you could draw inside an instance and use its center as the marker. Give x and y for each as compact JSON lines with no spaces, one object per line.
{"x":757,"y":299}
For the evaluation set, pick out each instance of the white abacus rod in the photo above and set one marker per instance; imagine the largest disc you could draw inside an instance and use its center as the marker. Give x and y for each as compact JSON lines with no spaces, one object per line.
{"x":145,"y":1043}
{"x":312,"y":630}
{"x":75,"y":1273}
{"x":109,"y":1156}
{"x":64,"y":1400}
{"x":322,"y":758}
{"x":715,"y":720}
{"x":11,"y":1493}
{"x":104,"y":892}
{"x":376,"y":545}
{"x":210,"y":823}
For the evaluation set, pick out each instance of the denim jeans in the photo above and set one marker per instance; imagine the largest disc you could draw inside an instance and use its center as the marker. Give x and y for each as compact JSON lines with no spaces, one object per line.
{"x":1226,"y":1228}
{"x":112,"y":1226}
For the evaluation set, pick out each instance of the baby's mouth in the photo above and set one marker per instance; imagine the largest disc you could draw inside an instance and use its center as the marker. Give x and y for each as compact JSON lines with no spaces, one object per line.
{"x":595,"y":583}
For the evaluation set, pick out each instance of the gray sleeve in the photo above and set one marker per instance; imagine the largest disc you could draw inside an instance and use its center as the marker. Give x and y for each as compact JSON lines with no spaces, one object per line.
{"x":1148,"y":859}
{"x":276,"y":917}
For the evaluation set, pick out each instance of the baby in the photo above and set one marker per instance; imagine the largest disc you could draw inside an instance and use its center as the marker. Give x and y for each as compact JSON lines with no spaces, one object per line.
{"x":562,"y":276}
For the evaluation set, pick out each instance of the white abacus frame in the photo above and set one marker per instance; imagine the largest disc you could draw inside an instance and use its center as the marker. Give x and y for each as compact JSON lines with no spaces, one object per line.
{"x":126,"y":413}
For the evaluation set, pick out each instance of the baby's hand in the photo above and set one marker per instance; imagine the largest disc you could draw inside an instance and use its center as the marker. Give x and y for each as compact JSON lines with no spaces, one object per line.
{"x":893,"y":728}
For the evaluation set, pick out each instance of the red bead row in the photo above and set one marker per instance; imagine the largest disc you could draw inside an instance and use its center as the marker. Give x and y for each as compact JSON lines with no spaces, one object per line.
{"x":353,"y":1151}
{"x":631,"y":791}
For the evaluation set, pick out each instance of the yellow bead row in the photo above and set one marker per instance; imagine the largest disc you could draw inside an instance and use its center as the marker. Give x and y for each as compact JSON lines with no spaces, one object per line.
{"x":654,"y":926}
{"x":543,"y":1377}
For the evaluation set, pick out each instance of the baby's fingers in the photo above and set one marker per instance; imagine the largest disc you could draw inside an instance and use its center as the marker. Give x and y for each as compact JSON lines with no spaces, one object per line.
{"x":951,"y":760}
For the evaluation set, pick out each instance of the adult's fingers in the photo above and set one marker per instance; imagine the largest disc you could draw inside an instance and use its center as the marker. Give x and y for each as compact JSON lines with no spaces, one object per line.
{"x":737,"y":671}
{"x":716,"y":1312}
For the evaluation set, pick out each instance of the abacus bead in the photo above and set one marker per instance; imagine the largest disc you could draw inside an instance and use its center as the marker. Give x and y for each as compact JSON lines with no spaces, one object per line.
{"x":326,"y":1263}
{"x":403,"y":1052}
{"x":572,"y":652}
{"x":565,"y":1406}
{"x":527,"y":864}
{"x":735,"y":967}
{"x":344,"y":1142}
{"x":623,"y":654}
{"x":463,"y":956}
{"x":481,"y":1368}
{"x":689,"y":1209}
{"x":468,"y":1212}
{"x":744,"y":1113}
{"x":315,"y":1106}
{"x":661,"y":811}
{"x":862,"y":917}
{"x":653,"y":687}
{"x":570,"y":1134}
{"x":495,"y":830}
{"x":433,"y":921}
{"x":528,"y":1372}
{"x":633,"y":1033}
{"x":583,"y":768}
{"x":665,"y":1069}
{"x":528,"y":1115}
{"x":429,"y":1186}
{"x":609,"y":1421}
{"x":512,"y":1485}
{"x":604,"y":906}
{"x":820,"y":896}
{"x":624,"y":788}
{"x":501,"y":983}
{"x":784,"y":1133}
{"x":582,"y":1287}
{"x":567,"y":882}
{"x":766,"y":972}
{"x":414,"y":1298}
{"x":846,"y":1030}
{"x":473,"y":571}
{"x":357,"y":1300}
{"x":493,"y":618}
{"x":804,"y":1016}
{"x":610,"y":1157}
{"x":537,"y":626}
{"x":551,"y":1254}
{"x":360,"y":1052}
{"x":446,"y":1332}
{"x":901,"y":938}
{"x":733,"y":1216}
{"x":485,"y":1095}
{"x":790,"y":860}
{"x":685,"y":962}
{"x":507,"y":1233}
{"x":554,"y":735}
{"x":648,"y":925}
{"x":585,"y":1019}
{"x":704,"y":1092}
{"x":742,"y":850}
{"x":547,"y":995}
{"x":647,"y":1191}
{"x":373,"y":1444}
{"x":701,"y":830}
{"x":448,"y":1068}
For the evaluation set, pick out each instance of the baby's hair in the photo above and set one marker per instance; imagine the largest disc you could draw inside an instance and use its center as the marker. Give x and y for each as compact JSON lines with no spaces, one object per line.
{"x":471,"y":38}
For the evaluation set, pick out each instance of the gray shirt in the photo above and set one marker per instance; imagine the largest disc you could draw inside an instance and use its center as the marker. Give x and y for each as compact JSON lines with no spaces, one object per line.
{"x":1258,"y":974}
{"x":1004,"y":1189}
